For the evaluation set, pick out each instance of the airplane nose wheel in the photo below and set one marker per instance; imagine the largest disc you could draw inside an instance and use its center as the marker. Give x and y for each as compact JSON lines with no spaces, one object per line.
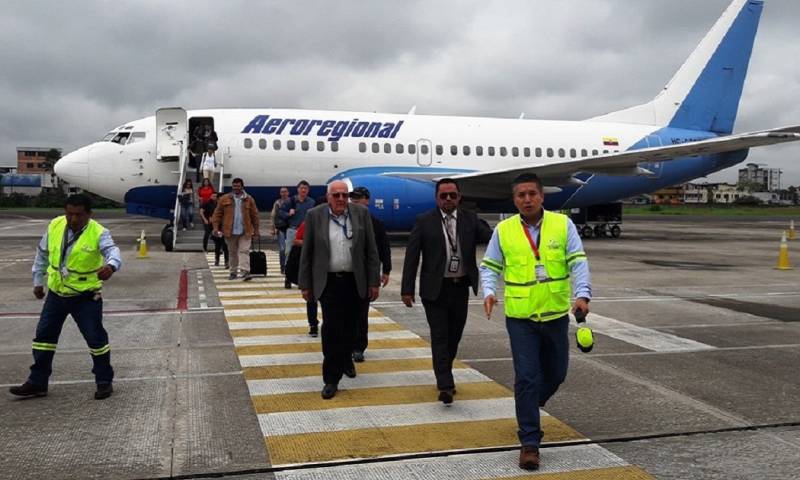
{"x":166,"y":237}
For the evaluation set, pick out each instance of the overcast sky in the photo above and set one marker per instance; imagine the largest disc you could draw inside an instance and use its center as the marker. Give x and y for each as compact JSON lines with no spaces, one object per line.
{"x":73,"y":70}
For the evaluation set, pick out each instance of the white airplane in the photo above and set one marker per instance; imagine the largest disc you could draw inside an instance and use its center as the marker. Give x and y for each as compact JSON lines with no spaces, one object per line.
{"x":683,"y":133}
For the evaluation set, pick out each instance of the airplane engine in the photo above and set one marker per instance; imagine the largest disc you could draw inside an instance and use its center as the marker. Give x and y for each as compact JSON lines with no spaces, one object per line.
{"x":396,"y":201}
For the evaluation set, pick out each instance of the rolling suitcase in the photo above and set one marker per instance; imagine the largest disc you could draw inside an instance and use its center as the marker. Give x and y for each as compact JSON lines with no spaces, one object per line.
{"x":258,"y":261}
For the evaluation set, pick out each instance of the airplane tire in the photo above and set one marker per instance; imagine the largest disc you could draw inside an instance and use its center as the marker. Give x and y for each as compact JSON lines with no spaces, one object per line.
{"x":586,"y":231}
{"x":166,"y":237}
{"x":616,"y":231}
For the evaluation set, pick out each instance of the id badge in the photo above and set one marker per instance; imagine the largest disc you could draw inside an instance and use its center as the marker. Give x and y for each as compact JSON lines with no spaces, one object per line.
{"x":541,"y":273}
{"x":455,"y":262}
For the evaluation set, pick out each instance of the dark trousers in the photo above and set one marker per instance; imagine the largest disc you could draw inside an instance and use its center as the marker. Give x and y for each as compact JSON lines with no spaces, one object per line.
{"x":220,"y":247}
{"x":447,"y":316}
{"x":541,"y":355}
{"x":340,"y":306}
{"x":88,"y":314}
{"x":311,"y":313}
{"x":362,"y":328}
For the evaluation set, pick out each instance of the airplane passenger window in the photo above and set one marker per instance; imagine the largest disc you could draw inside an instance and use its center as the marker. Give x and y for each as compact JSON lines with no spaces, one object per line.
{"x":595,"y":153}
{"x":573,"y":153}
{"x":538,"y":152}
{"x":453,"y":150}
{"x":304,"y":145}
{"x":334,"y":146}
{"x":466,"y":150}
{"x":584,"y":153}
{"x":248,"y":143}
{"x":290,"y":144}
{"x":479,"y":151}
{"x":526,"y":151}
{"x":136,"y":137}
{"x":375,"y":147}
{"x":439,"y":150}
{"x":321,"y":146}
{"x":605,"y":152}
{"x":399,"y":148}
{"x":262,"y":143}
{"x":276,"y":144}
{"x":423,"y":149}
{"x":362,"y":147}
{"x":503,"y":151}
{"x":412,"y":149}
{"x":550,"y":152}
{"x":562,"y":153}
{"x":387,"y":148}
{"x":515,"y":151}
{"x":491,"y":151}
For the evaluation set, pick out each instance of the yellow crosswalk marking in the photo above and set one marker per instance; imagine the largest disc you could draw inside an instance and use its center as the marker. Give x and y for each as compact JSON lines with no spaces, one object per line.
{"x":317,"y":347}
{"x":315,"y":369}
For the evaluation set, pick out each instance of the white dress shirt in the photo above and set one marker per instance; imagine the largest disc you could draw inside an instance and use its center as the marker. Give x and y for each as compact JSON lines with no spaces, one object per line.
{"x":341,"y":259}
{"x":454,"y":236}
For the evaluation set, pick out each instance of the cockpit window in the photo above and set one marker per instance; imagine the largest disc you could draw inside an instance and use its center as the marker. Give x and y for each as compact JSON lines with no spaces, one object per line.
{"x":108,"y":136}
{"x":121,"y":138}
{"x":136,"y":137}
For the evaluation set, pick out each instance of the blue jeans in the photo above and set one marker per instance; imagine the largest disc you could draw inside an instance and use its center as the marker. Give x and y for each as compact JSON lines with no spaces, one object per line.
{"x":187,"y":215}
{"x":541,"y":355}
{"x":281,"y":248}
{"x":88,"y":314}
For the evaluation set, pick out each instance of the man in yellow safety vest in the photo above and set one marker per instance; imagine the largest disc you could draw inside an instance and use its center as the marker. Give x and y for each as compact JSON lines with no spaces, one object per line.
{"x":77,"y":254}
{"x":537,"y":252}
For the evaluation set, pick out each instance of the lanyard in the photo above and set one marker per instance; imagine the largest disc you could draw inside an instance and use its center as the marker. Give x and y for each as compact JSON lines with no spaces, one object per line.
{"x":65,"y":244}
{"x":344,"y":227}
{"x":530,"y":240}
{"x":450,"y":240}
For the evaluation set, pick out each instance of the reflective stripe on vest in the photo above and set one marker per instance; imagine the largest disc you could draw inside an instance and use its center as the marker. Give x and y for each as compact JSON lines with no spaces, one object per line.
{"x":82,"y":264}
{"x":525,"y":296}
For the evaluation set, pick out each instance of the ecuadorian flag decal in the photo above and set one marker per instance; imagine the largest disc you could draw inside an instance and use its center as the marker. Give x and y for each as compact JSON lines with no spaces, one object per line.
{"x":610,"y":141}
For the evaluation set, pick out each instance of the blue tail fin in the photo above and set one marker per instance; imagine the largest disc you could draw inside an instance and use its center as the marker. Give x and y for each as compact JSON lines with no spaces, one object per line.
{"x":704,"y":94}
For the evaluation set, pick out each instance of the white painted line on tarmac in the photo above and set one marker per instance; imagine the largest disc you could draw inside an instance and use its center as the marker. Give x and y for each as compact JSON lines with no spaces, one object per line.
{"x":296,"y":339}
{"x":316,"y":357}
{"x":643,"y":337}
{"x":292,"y":323}
{"x":245,"y":312}
{"x":280,"y":386}
{"x":473,"y":466}
{"x":382,"y":416}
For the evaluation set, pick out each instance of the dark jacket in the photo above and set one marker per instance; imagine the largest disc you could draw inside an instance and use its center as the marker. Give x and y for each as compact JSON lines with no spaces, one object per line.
{"x":316,"y":253}
{"x":382,"y":242}
{"x":428,"y":239}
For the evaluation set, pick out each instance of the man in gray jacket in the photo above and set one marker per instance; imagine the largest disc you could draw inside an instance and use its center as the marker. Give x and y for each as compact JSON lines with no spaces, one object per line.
{"x":339,"y":267}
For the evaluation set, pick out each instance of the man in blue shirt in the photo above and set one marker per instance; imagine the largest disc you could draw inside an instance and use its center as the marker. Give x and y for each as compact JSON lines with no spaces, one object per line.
{"x":294,"y":212}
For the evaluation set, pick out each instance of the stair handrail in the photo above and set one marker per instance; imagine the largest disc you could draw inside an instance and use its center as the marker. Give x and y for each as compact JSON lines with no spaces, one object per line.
{"x":181,"y":179}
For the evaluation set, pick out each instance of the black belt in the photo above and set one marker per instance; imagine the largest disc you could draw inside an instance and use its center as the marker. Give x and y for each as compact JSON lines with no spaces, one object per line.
{"x":340,"y":274}
{"x":455,"y":279}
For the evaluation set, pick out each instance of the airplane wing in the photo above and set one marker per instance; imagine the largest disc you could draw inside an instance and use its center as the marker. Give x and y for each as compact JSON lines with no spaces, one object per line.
{"x":495,"y":183}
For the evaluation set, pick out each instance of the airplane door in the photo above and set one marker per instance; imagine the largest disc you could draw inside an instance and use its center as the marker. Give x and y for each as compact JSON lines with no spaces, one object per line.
{"x":171,"y":133}
{"x":655,"y":167}
{"x":424,"y":152}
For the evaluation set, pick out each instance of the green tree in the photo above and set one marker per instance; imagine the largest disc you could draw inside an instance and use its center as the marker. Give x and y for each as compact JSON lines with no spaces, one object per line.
{"x":51,"y":157}
{"x":750,"y":186}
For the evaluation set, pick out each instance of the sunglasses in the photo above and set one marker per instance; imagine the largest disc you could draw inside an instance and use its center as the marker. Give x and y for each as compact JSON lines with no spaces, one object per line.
{"x":339,"y":195}
{"x":446,"y":195}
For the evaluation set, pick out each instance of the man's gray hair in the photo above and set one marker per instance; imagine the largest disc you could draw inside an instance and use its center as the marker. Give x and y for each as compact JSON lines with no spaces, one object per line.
{"x":335,"y":182}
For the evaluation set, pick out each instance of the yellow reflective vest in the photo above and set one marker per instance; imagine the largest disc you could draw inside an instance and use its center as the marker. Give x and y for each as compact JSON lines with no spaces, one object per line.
{"x":82,"y":264}
{"x":526,"y":296}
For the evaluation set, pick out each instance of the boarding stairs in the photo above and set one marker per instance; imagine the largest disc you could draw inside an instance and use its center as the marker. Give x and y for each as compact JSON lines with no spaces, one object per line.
{"x":191,"y":240}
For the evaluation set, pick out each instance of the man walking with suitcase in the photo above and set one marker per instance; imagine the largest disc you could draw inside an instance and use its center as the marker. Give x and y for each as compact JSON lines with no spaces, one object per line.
{"x":236,"y":218}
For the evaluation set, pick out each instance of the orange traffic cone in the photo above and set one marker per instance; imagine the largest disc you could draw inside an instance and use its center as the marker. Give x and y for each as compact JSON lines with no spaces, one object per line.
{"x":792,"y":234}
{"x":783,"y":256}
{"x":142,"y":246}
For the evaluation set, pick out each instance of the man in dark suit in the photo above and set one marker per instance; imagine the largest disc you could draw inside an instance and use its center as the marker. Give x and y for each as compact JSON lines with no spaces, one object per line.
{"x":446,"y":237}
{"x":338,"y":266}
{"x":360,"y":195}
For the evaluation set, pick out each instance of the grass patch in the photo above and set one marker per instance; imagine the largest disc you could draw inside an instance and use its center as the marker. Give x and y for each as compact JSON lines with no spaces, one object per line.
{"x":711,"y":210}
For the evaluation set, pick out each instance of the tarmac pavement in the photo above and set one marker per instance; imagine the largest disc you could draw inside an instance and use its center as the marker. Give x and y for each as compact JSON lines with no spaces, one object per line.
{"x":693,"y":374}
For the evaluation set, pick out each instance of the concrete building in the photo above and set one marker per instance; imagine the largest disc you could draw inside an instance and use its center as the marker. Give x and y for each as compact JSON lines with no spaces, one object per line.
{"x":33,"y":159}
{"x":770,"y":178}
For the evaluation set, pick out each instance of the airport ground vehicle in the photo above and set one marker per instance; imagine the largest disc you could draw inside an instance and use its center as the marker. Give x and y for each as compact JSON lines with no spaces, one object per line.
{"x":598,"y":220}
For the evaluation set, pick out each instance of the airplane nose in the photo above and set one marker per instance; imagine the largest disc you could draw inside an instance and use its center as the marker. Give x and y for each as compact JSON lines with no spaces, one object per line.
{"x":73,"y":168}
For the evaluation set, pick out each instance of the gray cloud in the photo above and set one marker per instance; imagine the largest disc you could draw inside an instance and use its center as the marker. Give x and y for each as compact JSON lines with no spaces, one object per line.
{"x":73,"y":70}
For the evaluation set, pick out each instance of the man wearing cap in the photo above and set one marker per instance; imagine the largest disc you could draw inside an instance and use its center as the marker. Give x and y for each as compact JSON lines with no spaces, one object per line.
{"x":360,"y":195}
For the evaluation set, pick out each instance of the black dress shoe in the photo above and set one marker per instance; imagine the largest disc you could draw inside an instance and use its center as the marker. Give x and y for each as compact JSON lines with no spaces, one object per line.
{"x":313,"y":331}
{"x":104,"y":390}
{"x":329,"y":391}
{"x":28,"y":389}
{"x":358,"y":357}
{"x":446,"y":396}
{"x":350,"y":371}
